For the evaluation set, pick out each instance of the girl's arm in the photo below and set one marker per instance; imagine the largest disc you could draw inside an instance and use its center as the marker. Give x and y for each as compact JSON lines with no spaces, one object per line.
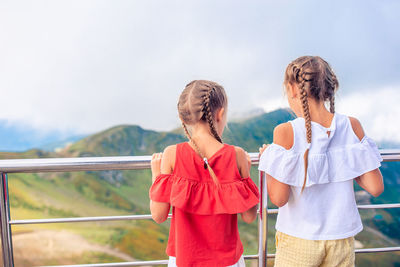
{"x":161,"y":163}
{"x":242,"y":160}
{"x":279,"y":192}
{"x":372,"y":181}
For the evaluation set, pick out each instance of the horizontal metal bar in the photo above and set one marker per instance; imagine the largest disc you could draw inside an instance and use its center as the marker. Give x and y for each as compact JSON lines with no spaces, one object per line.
{"x":136,"y":263}
{"x":247,"y":257}
{"x":75,"y":164}
{"x":361,"y":250}
{"x":372,"y":206}
{"x":272,"y":211}
{"x":116,"y":264}
{"x":251,"y":257}
{"x":379,"y":206}
{"x":390,"y":154}
{"x":111,"y":163}
{"x":84,"y":219}
{"x":375,"y":250}
{"x":148,"y":217}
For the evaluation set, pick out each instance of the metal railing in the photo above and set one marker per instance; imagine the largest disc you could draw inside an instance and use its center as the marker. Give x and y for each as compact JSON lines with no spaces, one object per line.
{"x":131,"y":163}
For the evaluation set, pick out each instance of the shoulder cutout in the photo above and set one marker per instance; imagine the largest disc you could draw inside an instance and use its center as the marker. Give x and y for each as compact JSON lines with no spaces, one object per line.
{"x":168,"y":159}
{"x":357,"y":128}
{"x":283,"y":135}
{"x":241,"y":161}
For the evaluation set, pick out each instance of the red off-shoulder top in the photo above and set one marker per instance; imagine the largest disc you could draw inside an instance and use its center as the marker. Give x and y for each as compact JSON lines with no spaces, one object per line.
{"x":204,"y":230}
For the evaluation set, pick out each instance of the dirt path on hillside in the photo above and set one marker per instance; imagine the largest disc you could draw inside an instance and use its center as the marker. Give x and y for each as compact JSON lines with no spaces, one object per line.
{"x":41,"y":246}
{"x":382,"y":236}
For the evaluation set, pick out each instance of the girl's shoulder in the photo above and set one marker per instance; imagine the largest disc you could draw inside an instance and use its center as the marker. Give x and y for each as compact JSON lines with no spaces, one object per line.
{"x":283,"y":135}
{"x":242,"y":161}
{"x":357,"y":128}
{"x":168,"y":158}
{"x":240,"y":152}
{"x":171,"y":149}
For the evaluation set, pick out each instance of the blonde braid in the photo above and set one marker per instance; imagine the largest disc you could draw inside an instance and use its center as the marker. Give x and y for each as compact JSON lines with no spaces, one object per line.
{"x":315,"y":79}
{"x":334,"y":85}
{"x":307,"y":119}
{"x":332,"y":104}
{"x":209,"y":115}
{"x":206,"y":165}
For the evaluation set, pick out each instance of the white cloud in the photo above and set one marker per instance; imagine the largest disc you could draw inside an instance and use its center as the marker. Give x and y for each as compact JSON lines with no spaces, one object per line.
{"x":378,"y":111}
{"x":84,"y":66}
{"x":273,"y":104}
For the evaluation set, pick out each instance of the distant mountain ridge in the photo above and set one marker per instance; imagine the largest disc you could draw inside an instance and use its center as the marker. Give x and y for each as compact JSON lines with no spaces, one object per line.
{"x":15,"y":137}
{"x":126,"y":192}
{"x":18,"y":138}
{"x":124,"y":140}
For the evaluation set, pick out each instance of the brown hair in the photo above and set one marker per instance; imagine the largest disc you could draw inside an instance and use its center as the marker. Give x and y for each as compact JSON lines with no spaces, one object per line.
{"x":315,"y":78}
{"x":199,"y":101}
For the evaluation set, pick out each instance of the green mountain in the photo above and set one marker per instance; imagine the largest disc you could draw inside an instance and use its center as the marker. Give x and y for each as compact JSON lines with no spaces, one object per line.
{"x":251,"y":133}
{"x":123,"y":140}
{"x":53,"y":195}
{"x":132,"y":140}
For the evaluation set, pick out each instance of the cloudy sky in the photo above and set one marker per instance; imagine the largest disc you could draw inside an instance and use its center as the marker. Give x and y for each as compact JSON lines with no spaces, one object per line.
{"x":82,"y":66}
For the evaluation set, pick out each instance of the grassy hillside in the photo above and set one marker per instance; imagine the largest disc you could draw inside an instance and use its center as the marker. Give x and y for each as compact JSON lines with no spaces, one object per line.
{"x":102,"y":193}
{"x":253,"y":132}
{"x":123,"y":140}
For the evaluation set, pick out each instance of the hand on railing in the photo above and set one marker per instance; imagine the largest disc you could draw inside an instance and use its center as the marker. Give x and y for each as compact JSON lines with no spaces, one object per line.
{"x":248,"y":160}
{"x":155,"y":165}
{"x":261,"y":149}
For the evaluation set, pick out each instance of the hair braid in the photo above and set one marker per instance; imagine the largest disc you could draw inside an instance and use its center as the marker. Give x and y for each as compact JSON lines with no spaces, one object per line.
{"x":332,"y":104}
{"x":334,"y":86}
{"x":199,"y":101}
{"x":315,"y":79}
{"x":307,"y":119}
{"x":209,"y":115}
{"x":206,"y":165}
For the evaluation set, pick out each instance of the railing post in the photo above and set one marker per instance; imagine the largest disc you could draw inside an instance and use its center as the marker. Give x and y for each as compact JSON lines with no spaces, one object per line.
{"x":262,"y":223}
{"x":6,"y":238}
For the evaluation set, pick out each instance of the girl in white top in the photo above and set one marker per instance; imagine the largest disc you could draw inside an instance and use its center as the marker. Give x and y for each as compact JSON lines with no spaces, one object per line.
{"x":310,"y":167}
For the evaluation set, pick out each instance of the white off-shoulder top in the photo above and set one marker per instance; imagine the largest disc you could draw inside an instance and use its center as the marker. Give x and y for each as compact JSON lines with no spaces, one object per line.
{"x":326,"y":209}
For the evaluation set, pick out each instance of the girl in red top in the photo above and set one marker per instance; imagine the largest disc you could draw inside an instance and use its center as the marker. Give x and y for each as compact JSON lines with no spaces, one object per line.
{"x":206,"y":182}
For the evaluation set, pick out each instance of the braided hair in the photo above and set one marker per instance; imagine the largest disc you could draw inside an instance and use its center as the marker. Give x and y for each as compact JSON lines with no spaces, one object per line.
{"x":316,"y":79}
{"x":199,"y":101}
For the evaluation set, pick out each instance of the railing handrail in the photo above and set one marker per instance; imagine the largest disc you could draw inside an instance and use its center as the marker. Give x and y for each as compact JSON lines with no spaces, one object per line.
{"x":129,"y":163}
{"x":148,"y":216}
{"x":110,"y":163}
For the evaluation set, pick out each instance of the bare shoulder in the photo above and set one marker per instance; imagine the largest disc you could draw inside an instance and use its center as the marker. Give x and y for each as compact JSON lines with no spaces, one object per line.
{"x":169,"y":153}
{"x":283,"y":135}
{"x":240,"y":151}
{"x":241,"y":161}
{"x":169,"y":150}
{"x":168,"y":159}
{"x":241,"y":157}
{"x":357,"y":128}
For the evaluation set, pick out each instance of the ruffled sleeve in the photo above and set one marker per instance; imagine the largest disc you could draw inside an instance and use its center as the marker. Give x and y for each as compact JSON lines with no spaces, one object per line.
{"x":205,"y":198}
{"x":160,"y":191}
{"x":284,"y":165}
{"x":336,"y":165}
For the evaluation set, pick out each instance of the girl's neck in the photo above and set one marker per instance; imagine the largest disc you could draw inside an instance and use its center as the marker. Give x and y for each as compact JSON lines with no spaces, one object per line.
{"x":319,"y":113}
{"x":201,"y":133}
{"x":205,"y":141}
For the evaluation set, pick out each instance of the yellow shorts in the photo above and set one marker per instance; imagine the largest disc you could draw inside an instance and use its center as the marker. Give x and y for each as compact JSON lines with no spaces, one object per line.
{"x":293,"y":251}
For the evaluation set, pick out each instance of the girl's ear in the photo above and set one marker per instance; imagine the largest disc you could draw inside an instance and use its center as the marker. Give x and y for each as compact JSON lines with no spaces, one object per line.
{"x":220,"y":114}
{"x":291,"y":90}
